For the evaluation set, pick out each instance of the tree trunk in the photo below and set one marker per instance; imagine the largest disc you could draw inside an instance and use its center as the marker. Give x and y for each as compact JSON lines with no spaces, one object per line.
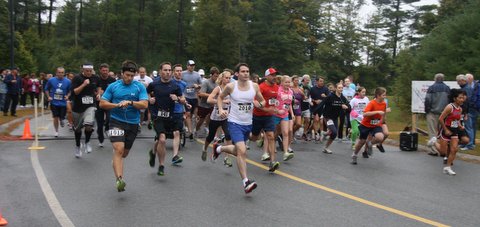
{"x":80,"y":17}
{"x":396,"y":30}
{"x":50,"y":11}
{"x":39,"y":22}
{"x":25,"y":16}
{"x":179,"y":46}
{"x":141,"y":9}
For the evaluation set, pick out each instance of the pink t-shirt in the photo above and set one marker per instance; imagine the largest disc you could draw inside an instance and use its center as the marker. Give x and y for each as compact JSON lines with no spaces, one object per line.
{"x":285,"y":98}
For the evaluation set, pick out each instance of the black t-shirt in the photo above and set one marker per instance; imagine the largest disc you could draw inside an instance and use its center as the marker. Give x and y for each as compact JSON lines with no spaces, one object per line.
{"x":163,"y":102}
{"x":104,"y":83}
{"x":305,"y":105}
{"x":332,"y":106}
{"x":316,"y":93}
{"x":86,"y":98}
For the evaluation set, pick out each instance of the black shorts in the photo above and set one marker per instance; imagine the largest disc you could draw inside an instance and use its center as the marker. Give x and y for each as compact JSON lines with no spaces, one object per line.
{"x":365,"y":131}
{"x":204,"y":112}
{"x":193,"y":103}
{"x":167,"y":125}
{"x":59,"y":111}
{"x":456,"y":132}
{"x":122,"y":132}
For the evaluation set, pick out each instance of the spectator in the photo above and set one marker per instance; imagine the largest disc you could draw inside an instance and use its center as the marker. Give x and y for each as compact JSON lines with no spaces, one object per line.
{"x":27,"y":89}
{"x":471,"y":122}
{"x":3,"y":87}
{"x":435,"y":102}
{"x":36,"y":89}
{"x":14,"y":88}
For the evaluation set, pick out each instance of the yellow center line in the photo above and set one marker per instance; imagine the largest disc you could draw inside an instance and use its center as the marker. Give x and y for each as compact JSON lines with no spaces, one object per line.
{"x":346,"y":195}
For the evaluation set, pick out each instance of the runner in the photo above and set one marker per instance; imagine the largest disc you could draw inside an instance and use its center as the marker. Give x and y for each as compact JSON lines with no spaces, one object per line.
{"x":103,"y":116}
{"x":318,"y":94}
{"x":348,"y":93}
{"x":165,"y":92}
{"x":124,"y":99}
{"x":145,"y":80}
{"x":297,"y":110}
{"x":84,"y":90}
{"x":283,"y":108}
{"x":306,"y":104}
{"x":384,"y":129}
{"x":204,"y":108}
{"x":244,"y":95}
{"x":332,"y":106}
{"x":373,"y":117}
{"x":358,"y":104}
{"x":57,"y":92}
{"x":452,"y":129}
{"x":193,"y":80}
{"x":217,"y":121}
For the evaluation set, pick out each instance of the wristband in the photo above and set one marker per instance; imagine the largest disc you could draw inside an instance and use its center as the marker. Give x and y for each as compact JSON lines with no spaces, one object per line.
{"x":131,"y":102}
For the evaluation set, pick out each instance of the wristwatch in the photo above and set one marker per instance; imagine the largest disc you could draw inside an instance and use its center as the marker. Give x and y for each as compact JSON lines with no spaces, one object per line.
{"x":131,"y":102}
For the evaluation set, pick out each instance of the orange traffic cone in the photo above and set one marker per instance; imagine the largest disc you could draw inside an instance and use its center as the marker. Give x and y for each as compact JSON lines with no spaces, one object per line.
{"x":3,"y":221}
{"x":27,"y":135}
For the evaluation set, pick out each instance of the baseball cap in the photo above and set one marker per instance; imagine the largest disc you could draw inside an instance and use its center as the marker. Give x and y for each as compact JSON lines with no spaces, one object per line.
{"x":201,"y":72}
{"x":270,"y":71}
{"x":190,"y":62}
{"x":155,"y":73}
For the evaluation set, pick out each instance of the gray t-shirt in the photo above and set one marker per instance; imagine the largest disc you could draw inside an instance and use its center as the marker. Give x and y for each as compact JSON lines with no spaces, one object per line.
{"x":207,"y":87}
{"x":191,"y":78}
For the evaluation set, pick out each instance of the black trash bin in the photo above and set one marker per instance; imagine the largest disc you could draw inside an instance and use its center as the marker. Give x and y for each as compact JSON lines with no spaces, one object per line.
{"x":408,"y":141}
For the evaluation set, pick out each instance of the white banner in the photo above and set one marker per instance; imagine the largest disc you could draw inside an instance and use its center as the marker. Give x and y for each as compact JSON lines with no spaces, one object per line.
{"x":419,"y":92}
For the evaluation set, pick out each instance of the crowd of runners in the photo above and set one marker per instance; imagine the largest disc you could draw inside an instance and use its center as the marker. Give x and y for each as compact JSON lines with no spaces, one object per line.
{"x":233,"y":108}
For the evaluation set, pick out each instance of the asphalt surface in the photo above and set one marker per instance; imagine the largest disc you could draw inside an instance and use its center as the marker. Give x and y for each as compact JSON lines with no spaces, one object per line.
{"x":201,"y":193}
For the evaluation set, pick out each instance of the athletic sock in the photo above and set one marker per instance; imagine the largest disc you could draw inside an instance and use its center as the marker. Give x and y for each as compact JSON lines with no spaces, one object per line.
{"x":219,"y":149}
{"x":245,"y":181}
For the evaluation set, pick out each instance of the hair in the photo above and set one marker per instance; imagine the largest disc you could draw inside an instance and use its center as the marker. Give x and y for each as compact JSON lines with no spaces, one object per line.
{"x":359,"y":90}
{"x":295,"y":77}
{"x":468,"y":75}
{"x":454,"y":93}
{"x":129,"y":64}
{"x":164,"y":63}
{"x":229,"y":70}
{"x":59,"y":68}
{"x":320,"y":78}
{"x":104,"y":65}
{"x":329,"y":84}
{"x":284,"y":77}
{"x":254,"y":76}
{"x":142,"y":68}
{"x":339,"y":83}
{"x":439,"y":77}
{"x":237,"y":67}
{"x":214,"y":70}
{"x":461,"y":77}
{"x":177,"y":65}
{"x":380,"y":91}
{"x":220,"y":77}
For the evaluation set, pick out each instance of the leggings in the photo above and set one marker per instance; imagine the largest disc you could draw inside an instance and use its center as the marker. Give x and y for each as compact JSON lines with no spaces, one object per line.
{"x":355,"y":131}
{"x":212,"y":130}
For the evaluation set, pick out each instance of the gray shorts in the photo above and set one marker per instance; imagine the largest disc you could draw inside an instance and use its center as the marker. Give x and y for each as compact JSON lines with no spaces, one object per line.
{"x":85,"y":118}
{"x":306,"y":113}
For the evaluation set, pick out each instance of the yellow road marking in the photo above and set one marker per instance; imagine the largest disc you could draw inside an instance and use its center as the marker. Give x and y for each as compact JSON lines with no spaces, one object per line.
{"x":346,"y":195}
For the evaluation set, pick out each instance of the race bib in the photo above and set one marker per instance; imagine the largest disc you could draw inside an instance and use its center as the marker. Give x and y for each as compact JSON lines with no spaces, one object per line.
{"x":190,"y":90}
{"x":296,"y":107}
{"x":116,"y":132}
{"x":87,"y":100}
{"x":454,"y":124}
{"x":286,"y":106}
{"x":374,"y":121}
{"x":245,"y":107}
{"x":58,"y":96}
{"x":329,"y":122}
{"x":163,"y":114}
{"x":272,"y":102}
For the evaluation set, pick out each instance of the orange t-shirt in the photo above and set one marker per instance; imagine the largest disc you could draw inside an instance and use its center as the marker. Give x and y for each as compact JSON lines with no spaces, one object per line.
{"x":375,"y":120}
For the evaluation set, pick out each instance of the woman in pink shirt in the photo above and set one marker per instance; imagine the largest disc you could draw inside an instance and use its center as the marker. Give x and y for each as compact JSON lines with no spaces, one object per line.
{"x":283,"y":108}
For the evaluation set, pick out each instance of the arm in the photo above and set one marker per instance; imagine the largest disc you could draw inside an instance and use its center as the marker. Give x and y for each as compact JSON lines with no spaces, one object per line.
{"x":228,"y":89}
{"x":203,"y":91}
{"x":80,"y":88}
{"x":47,"y":91}
{"x":211,"y":98}
{"x":448,"y":109}
{"x":258,"y":97}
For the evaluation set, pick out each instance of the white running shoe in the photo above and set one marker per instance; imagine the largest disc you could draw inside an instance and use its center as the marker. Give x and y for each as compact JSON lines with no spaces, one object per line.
{"x":78,"y":152}
{"x":100,"y":144}
{"x":265,"y":157}
{"x":88,"y":148}
{"x":327,"y":151}
{"x":448,"y":170}
{"x":56,"y":134}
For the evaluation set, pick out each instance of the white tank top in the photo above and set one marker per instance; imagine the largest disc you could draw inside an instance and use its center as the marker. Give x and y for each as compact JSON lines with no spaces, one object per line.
{"x":214,"y":116}
{"x":241,"y":105}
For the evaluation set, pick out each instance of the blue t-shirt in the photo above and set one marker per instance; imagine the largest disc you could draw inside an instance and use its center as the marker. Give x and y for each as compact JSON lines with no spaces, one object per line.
{"x":58,"y":89}
{"x":180,"y":108}
{"x":117,"y":92}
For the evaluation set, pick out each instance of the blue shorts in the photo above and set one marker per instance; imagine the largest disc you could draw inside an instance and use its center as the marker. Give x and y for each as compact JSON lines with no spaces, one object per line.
{"x":365,"y":131}
{"x":262,"y":122}
{"x":276,"y":120}
{"x":239,"y":133}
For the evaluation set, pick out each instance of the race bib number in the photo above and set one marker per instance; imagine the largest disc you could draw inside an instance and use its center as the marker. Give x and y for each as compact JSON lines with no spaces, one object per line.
{"x":190,"y":90}
{"x":454,"y":124}
{"x":116,"y":132}
{"x":374,"y":121}
{"x":87,"y":100}
{"x":245,"y":107}
{"x":329,"y":122}
{"x":58,"y":96}
{"x":272,"y":102}
{"x":286,"y":106}
{"x":296,"y":107}
{"x":163,"y":114}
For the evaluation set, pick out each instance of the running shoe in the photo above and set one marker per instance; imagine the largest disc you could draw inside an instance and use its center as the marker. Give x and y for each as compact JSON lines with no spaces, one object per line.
{"x":353,"y":146}
{"x":161,"y":171}
{"x":327,"y":151}
{"x":88,"y":148}
{"x":380,"y":148}
{"x":177,"y":160}
{"x":354,"y":160}
{"x":265,"y":157}
{"x":62,"y":123}
{"x":214,"y":153}
{"x":448,"y":170}
{"x":364,"y":154}
{"x":151,"y":158}
{"x":204,"y":155}
{"x":78,"y":152}
{"x":227,"y":162}
{"x":250,"y":185}
{"x":304,"y":137}
{"x":56,"y":134}
{"x":287,"y":156}
{"x":273,"y":166}
{"x":369,"y":148}
{"x":290,"y":150}
{"x":121,"y":185}
{"x":100,"y":144}
{"x":191,"y":137}
{"x":260,"y":142}
{"x":445,"y":159}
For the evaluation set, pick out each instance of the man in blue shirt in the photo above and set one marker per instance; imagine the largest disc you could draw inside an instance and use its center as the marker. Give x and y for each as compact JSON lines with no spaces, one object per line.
{"x":57,"y":91}
{"x":14,"y":88}
{"x":124,"y":98}
{"x":165,"y":93}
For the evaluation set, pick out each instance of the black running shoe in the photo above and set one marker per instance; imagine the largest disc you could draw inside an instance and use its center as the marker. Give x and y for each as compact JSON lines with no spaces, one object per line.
{"x":177,"y":160}
{"x":380,"y":148}
{"x":151,"y":160}
{"x":214,"y":153}
{"x":364,"y":154}
{"x":150,"y":125}
{"x":160,"y":171}
{"x":191,"y":137}
{"x":250,"y":185}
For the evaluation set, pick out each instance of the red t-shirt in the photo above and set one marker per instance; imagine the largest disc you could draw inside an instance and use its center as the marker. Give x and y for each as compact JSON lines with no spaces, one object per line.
{"x":375,"y":120}
{"x":269,"y":93}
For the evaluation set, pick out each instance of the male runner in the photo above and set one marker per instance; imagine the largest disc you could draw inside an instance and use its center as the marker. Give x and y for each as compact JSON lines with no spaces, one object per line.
{"x":57,"y":92}
{"x":103,"y":116}
{"x":193,"y":80}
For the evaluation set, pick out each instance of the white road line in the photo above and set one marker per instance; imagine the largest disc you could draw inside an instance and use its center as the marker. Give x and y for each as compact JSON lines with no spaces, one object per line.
{"x":48,"y":192}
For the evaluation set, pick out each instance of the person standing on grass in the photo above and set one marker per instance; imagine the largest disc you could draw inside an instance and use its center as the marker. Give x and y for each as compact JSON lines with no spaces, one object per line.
{"x":435,"y":101}
{"x":14,"y":88}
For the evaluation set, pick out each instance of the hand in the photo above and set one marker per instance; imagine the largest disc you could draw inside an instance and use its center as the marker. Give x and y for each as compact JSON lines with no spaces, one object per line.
{"x":280,"y":112}
{"x":381,"y":113}
{"x":389,"y":110}
{"x":152,"y":100}
{"x":188,"y":106}
{"x":86,"y":82}
{"x":226,"y":101}
{"x":98,"y":97}
{"x":323,"y":95}
{"x":123,"y":104}
{"x":344,"y":106}
{"x":448,"y":132}
{"x":50,"y":99}
{"x":174,"y":97}
{"x":222,"y":113}
{"x":317,"y":101}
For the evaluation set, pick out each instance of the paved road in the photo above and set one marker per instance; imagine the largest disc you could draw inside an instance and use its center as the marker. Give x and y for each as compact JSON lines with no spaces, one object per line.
{"x":313,"y":189}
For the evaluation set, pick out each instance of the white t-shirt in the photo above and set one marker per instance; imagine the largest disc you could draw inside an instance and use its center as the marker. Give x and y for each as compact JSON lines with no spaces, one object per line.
{"x":358,"y":105}
{"x":145,"y":80}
